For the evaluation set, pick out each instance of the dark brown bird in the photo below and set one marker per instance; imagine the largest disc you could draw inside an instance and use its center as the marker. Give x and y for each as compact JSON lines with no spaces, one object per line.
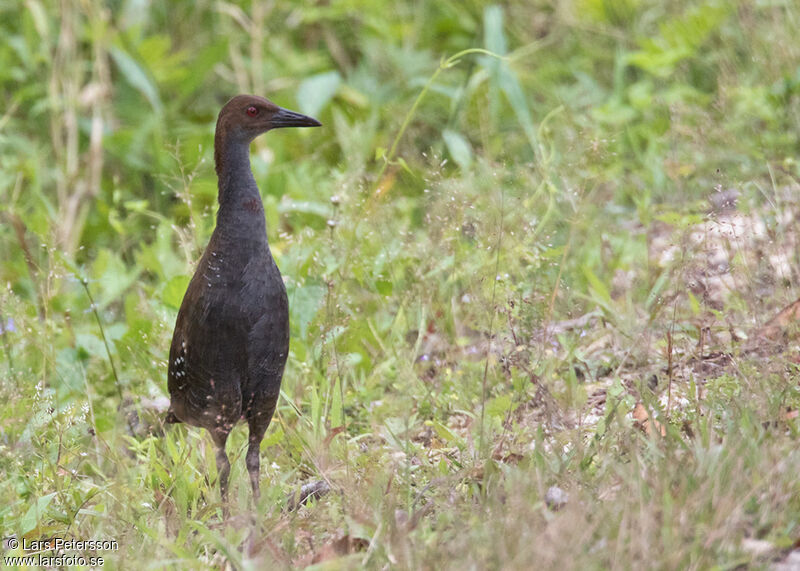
{"x":232,"y":333}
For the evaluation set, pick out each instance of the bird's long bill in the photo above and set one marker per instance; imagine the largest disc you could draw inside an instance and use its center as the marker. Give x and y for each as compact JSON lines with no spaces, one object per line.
{"x":285,"y":118}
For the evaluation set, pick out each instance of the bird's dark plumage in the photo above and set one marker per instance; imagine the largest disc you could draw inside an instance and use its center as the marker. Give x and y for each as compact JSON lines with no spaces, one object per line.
{"x":231,"y":337}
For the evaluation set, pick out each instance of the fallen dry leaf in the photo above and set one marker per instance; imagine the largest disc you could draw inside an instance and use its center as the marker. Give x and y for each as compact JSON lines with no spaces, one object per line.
{"x":332,"y":435}
{"x":337,"y":547}
{"x":507,"y":457}
{"x":643,"y":421}
{"x":779,"y":325}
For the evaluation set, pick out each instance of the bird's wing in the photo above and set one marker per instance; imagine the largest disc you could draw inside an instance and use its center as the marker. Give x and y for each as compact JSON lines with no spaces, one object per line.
{"x":268,"y":328}
{"x":207,"y":356}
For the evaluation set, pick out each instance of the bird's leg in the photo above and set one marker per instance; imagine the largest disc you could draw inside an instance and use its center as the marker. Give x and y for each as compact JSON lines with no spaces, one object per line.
{"x":253,"y":467}
{"x":223,"y":467}
{"x":253,"y":458}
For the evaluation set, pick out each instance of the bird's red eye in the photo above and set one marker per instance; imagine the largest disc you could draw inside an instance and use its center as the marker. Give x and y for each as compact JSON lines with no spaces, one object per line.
{"x":252,"y":111}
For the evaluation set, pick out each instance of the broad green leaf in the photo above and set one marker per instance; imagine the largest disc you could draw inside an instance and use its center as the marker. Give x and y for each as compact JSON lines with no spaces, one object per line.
{"x":316,"y":92}
{"x":384,"y":287}
{"x":458,"y":147}
{"x":598,"y":288}
{"x":92,"y":344}
{"x":110,"y":277}
{"x":512,"y":89}
{"x":35,"y":513}
{"x":174,"y":290}
{"x":498,"y":407}
{"x":137,"y":77}
{"x":494,"y":37}
{"x":503,"y":77}
{"x":444,"y":432}
{"x":304,"y":303}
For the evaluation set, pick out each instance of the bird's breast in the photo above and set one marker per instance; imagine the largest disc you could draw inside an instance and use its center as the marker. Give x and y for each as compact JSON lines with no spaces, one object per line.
{"x":245,"y":279}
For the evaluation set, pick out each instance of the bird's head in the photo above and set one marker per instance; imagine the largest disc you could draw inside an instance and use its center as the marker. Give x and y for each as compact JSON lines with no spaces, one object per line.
{"x":245,"y":117}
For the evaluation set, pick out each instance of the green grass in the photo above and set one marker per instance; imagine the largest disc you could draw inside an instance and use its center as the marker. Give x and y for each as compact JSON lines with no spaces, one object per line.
{"x":490,"y":259}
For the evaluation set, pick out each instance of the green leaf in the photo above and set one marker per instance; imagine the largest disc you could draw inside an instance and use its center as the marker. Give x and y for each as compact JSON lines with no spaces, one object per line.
{"x":34,"y":514}
{"x":174,"y":290}
{"x":679,"y":38}
{"x":136,"y":205}
{"x":512,"y":89}
{"x":599,"y":290}
{"x":503,"y":77}
{"x":273,"y":438}
{"x":494,"y":38}
{"x":160,"y":257}
{"x":337,"y":414}
{"x":402,"y":162}
{"x":316,"y":410}
{"x":384,"y":287}
{"x":322,"y":209}
{"x":444,"y":433}
{"x":498,"y":407}
{"x":458,"y":147}
{"x":136,"y":77}
{"x":316,"y":92}
{"x":92,"y":344}
{"x":304,"y":303}
{"x":110,"y":277}
{"x":654,"y":295}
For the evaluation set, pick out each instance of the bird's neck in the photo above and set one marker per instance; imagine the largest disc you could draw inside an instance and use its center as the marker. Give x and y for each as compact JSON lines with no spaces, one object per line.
{"x":239,"y":200}
{"x":234,"y":176}
{"x":240,"y":218}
